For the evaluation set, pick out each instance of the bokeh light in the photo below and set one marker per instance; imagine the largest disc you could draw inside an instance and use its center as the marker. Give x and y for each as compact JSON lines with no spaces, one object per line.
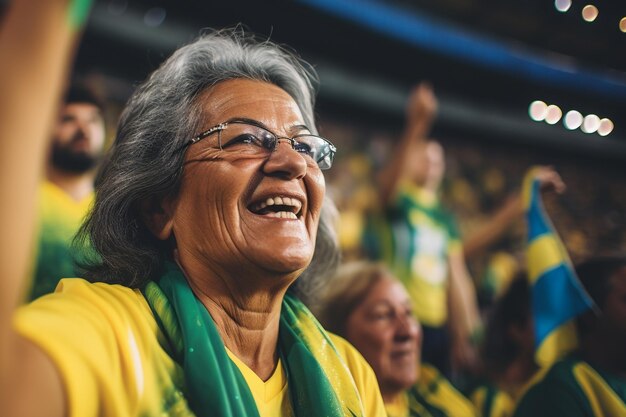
{"x":606,"y":127}
{"x":591,"y":123}
{"x":622,"y":24}
{"x":553,"y":114}
{"x":573,"y":119}
{"x":562,"y":5}
{"x":538,"y":110}
{"x":590,"y":13}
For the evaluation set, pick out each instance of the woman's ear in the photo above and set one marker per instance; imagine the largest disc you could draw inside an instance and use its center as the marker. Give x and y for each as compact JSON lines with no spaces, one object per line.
{"x":158,"y":216}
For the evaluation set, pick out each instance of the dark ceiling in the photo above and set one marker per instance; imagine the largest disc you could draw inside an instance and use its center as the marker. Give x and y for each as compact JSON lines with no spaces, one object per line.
{"x":367,"y":67}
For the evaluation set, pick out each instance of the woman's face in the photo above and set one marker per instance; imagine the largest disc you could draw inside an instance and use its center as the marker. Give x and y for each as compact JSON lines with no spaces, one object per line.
{"x":386,"y":333}
{"x":227,"y":211}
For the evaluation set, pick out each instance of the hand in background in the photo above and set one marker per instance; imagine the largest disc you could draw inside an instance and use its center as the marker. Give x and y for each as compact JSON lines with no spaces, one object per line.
{"x":422,"y":105}
{"x":549,"y":179}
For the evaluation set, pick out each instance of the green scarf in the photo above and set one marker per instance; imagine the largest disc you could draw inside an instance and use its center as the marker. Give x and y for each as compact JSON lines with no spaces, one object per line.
{"x":320,"y":383}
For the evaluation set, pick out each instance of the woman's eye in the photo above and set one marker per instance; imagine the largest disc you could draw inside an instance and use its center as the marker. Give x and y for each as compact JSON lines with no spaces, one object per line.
{"x":245,"y":139}
{"x":381,"y":315}
{"x":303,"y":148}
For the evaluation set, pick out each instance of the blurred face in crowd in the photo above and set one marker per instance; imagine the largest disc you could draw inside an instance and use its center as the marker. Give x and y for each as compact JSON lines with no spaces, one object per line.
{"x":78,"y":138}
{"x":241,"y":210}
{"x":386,"y":333}
{"x":428,"y":165}
{"x":436,"y":163}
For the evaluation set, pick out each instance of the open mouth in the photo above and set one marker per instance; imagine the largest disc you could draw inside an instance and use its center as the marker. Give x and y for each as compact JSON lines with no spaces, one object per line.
{"x":402,"y":354}
{"x":279,"y":207}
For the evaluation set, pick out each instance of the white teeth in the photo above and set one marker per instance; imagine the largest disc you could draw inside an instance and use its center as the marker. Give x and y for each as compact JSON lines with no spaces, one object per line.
{"x":282,"y":215}
{"x":280,"y":201}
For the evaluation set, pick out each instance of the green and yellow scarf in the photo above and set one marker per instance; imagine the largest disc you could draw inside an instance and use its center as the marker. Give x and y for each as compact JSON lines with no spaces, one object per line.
{"x":319,"y":381}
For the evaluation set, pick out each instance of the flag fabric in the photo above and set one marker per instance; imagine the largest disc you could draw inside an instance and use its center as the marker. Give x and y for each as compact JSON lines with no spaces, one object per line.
{"x":557,"y":294}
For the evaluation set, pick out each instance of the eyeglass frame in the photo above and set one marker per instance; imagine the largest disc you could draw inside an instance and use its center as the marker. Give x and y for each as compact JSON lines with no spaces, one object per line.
{"x":292,"y":140}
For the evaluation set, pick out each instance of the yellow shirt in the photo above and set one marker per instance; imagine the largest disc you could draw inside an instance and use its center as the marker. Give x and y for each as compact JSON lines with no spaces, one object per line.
{"x":105,"y":342}
{"x":60,"y":217}
{"x":416,"y":238}
{"x":271,"y":396}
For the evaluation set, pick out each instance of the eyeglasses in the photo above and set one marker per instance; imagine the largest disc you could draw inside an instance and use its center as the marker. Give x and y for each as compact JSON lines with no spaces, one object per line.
{"x":251,"y":137}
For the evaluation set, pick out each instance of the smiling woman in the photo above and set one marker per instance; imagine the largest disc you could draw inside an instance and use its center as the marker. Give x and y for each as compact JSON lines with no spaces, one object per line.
{"x":208,"y":208}
{"x":368,"y":306}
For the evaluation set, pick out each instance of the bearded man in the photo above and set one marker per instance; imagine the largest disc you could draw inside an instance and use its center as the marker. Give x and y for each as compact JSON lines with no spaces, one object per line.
{"x":66,"y":194}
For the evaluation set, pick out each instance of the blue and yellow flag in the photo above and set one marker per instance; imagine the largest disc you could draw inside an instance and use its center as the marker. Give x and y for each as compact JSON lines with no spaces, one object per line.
{"x":557,"y":295}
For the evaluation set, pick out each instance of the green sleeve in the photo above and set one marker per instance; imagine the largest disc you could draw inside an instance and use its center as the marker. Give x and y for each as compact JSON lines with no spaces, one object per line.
{"x":551,"y":399}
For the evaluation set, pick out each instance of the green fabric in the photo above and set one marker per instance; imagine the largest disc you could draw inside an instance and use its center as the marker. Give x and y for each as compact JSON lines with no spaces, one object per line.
{"x":215,"y":385}
{"x":435,"y":396}
{"x":77,"y":12}
{"x":561,"y":391}
{"x":59,"y":218}
{"x":414,"y":237}
{"x":491,"y":401}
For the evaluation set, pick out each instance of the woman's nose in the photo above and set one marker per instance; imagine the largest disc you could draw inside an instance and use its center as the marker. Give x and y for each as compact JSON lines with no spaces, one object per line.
{"x":407,"y":327}
{"x":285,"y":161}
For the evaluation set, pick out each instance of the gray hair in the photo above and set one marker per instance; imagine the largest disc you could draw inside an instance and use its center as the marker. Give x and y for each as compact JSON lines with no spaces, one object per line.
{"x":161,"y":115}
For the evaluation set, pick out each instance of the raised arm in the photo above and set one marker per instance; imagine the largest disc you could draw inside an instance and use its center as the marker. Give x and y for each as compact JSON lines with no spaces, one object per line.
{"x":420,"y":113}
{"x":36,"y":45}
{"x":464,"y":315}
{"x":509,"y":212}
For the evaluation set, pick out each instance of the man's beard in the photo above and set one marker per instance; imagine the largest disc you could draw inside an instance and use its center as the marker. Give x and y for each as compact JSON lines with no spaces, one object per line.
{"x":75,"y":162}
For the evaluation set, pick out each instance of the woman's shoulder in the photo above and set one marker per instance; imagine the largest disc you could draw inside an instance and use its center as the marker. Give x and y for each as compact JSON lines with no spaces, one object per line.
{"x":362,"y":374}
{"x":77,"y":299}
{"x":350,"y":355}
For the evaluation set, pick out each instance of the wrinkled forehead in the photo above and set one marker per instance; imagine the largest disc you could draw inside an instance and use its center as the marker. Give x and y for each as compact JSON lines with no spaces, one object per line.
{"x":250,"y":99}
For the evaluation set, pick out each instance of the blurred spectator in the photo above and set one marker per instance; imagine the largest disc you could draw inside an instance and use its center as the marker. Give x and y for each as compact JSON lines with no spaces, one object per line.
{"x":507,"y":351}
{"x":420,"y":242}
{"x":591,"y":381}
{"x":372,"y":310}
{"x":67,"y":193}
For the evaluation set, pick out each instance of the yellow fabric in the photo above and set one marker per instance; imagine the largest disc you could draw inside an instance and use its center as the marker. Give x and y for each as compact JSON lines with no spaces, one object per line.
{"x":440,"y":394}
{"x":429,"y":266}
{"x":399,"y":407}
{"x":557,"y":344}
{"x":432,"y":395}
{"x":329,"y":361}
{"x":502,"y":404}
{"x":60,"y":217}
{"x":363,"y":376}
{"x":55,"y":201}
{"x":426,"y":197}
{"x":350,"y":228}
{"x":604,"y":402}
{"x":271,"y":396}
{"x":102,"y":340}
{"x":544,"y":253}
{"x":479,"y":397}
{"x":105,"y":342}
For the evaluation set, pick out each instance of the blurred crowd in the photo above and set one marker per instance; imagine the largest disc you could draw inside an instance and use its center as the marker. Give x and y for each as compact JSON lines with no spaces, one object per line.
{"x":211,"y":266}
{"x":480,"y":176}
